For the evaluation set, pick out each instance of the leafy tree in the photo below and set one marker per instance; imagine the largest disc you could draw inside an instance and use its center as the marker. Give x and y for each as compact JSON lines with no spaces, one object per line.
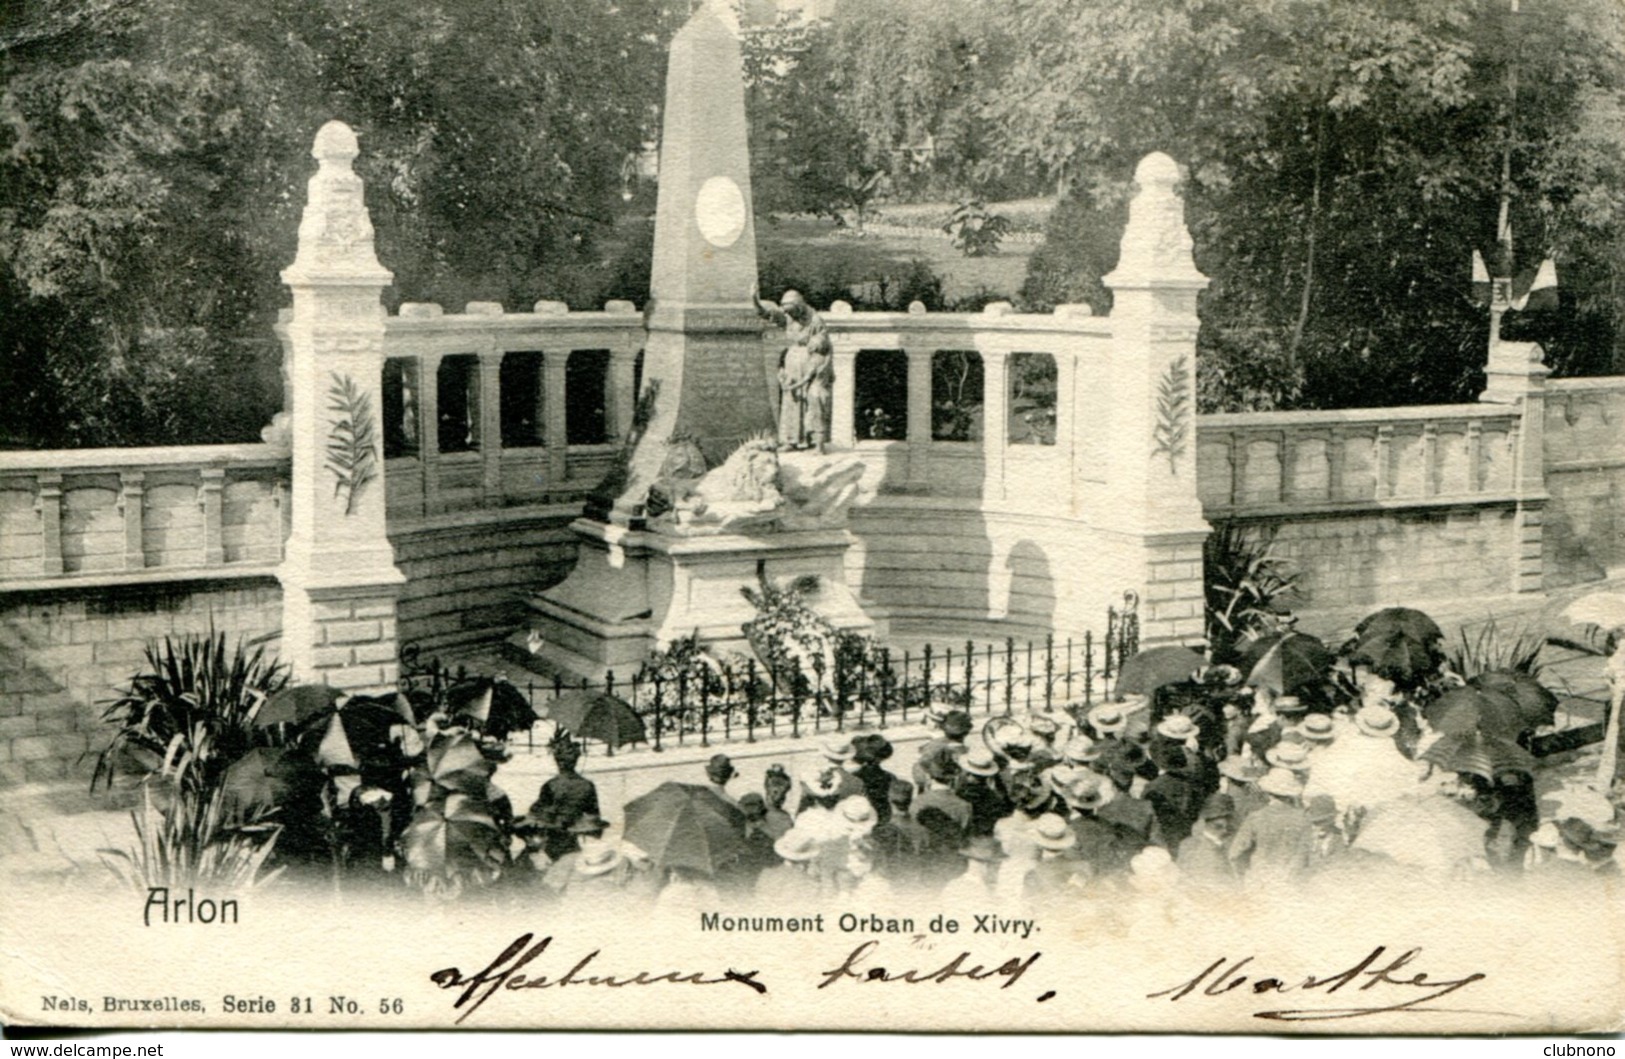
{"x":1343,"y":161}
{"x":808,"y":155}
{"x":153,"y":155}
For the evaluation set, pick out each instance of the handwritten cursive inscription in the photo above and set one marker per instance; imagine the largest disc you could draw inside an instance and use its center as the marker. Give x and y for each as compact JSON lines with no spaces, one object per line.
{"x":1393,"y":984}
{"x":859,"y":966}
{"x":503,"y":974}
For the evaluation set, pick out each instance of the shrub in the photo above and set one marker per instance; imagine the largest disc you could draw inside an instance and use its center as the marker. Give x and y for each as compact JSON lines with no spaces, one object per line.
{"x":188,"y":715}
{"x":1080,"y":245}
{"x":1492,"y":648}
{"x":976,"y":230}
{"x":1247,"y":586}
{"x":193,"y":840}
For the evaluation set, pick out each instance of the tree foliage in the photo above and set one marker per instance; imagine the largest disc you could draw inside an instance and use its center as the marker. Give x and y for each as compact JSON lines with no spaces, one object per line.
{"x":1343,"y":161}
{"x":153,"y":155}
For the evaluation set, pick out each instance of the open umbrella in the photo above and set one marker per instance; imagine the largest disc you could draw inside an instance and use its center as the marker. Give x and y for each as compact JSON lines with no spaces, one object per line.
{"x":1397,"y":655}
{"x":597,"y":715}
{"x":1479,"y":753}
{"x":359,"y":733}
{"x":1461,"y":711}
{"x":682,"y":826}
{"x":453,"y":763}
{"x":1155,"y":667}
{"x":1537,"y":705}
{"x":296,"y":704}
{"x":492,"y":705}
{"x":1287,"y":663}
{"x":459,"y":834}
{"x":1412,"y":624}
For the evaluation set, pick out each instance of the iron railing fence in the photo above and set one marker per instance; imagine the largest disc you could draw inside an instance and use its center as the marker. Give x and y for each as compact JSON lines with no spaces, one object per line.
{"x":710,"y":700}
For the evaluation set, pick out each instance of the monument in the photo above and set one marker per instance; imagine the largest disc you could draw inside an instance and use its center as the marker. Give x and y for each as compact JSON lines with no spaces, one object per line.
{"x":702,"y":504}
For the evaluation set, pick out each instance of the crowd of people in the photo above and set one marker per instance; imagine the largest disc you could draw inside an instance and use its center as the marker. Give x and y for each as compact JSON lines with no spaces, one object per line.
{"x":1261,"y":794}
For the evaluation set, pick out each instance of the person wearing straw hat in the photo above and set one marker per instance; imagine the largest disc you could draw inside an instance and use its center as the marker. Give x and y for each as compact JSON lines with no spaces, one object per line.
{"x":1289,"y":754}
{"x":1366,"y":768}
{"x":944,"y":815}
{"x":1108,"y":720}
{"x":1046,"y":731}
{"x":1274,"y":844}
{"x":1030,"y":797}
{"x":1059,"y":871}
{"x":1203,"y":857}
{"x":1326,"y":821}
{"x":1318,"y":730}
{"x":978,"y":883}
{"x":588,"y":830}
{"x":978,"y":785}
{"x":1174,"y":796}
{"x":793,"y":882}
{"x":562,"y":800}
{"x":1080,"y":750}
{"x":834,"y":753}
{"x":1238,"y":777}
{"x":1096,"y":841}
{"x":601,"y":873}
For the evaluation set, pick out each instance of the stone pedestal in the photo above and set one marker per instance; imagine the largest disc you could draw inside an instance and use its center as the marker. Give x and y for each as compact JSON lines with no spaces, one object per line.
{"x":636,"y":591}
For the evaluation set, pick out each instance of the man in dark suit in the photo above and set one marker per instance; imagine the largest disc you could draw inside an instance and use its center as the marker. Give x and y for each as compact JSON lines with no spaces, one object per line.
{"x":562,"y":801}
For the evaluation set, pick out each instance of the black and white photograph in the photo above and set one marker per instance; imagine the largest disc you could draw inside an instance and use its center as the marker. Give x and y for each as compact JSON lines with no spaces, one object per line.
{"x":953,"y":516}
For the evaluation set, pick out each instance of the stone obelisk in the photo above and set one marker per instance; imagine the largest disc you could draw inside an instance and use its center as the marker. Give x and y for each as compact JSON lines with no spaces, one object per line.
{"x":704,"y":380}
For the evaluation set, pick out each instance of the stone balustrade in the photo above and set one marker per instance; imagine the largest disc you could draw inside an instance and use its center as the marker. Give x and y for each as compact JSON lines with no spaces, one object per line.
{"x":1275,"y":464}
{"x":126,"y":516}
{"x":486,"y":409}
{"x":972,"y":405}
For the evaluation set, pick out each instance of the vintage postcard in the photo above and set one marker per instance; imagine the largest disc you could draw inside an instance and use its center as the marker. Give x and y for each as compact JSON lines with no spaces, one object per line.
{"x":984,"y":517}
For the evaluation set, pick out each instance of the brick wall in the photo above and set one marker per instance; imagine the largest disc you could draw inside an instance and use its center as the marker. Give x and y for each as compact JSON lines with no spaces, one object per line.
{"x":64,"y":653}
{"x":1406,"y":556}
{"x":466,"y":583}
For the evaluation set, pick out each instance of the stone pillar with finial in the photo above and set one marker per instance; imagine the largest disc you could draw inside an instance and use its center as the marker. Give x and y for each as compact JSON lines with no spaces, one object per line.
{"x":339,"y":580}
{"x":1154,"y":518}
{"x":1515,"y":374}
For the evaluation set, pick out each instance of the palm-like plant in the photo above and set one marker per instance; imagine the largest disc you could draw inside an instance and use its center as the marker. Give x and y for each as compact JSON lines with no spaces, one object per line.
{"x":1247,"y":587}
{"x":194,"y":838}
{"x":188,"y":714}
